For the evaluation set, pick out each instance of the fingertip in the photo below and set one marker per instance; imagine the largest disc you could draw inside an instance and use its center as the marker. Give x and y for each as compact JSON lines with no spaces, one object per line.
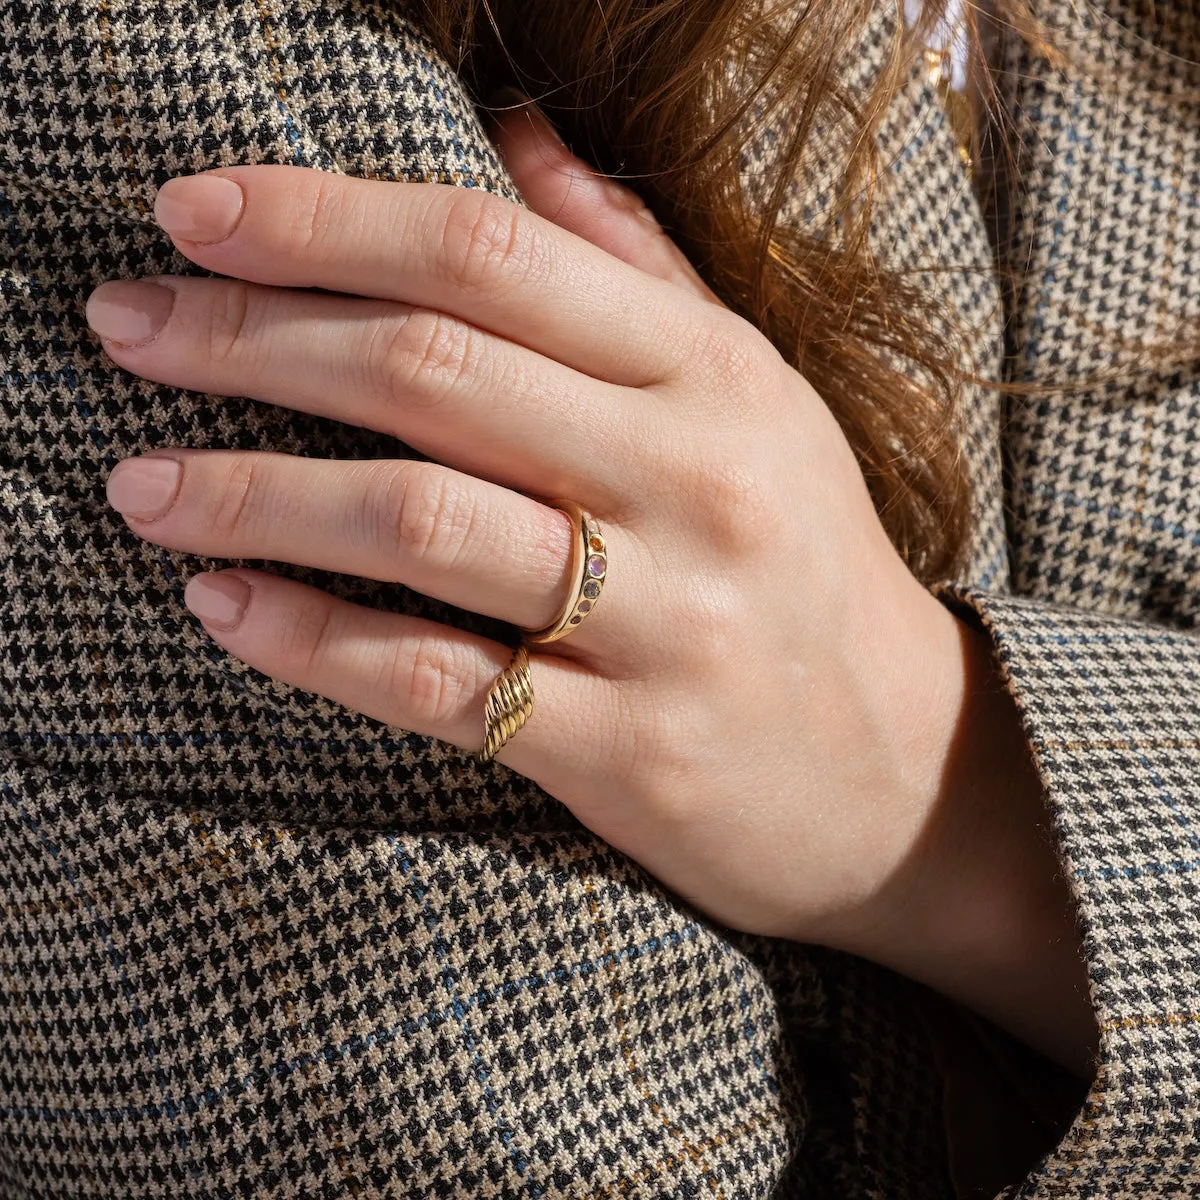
{"x":202,"y":209}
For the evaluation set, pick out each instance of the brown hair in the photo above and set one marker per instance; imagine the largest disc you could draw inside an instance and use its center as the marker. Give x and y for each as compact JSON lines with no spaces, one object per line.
{"x":668,"y":95}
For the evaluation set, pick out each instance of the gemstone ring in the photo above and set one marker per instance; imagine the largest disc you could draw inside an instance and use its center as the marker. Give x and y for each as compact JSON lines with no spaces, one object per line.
{"x":589,"y":569}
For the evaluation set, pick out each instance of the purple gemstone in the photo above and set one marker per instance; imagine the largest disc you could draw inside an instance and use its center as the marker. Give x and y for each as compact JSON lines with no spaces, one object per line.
{"x":591,"y":589}
{"x":596,"y":566}
{"x":576,"y":620}
{"x":585,"y":606}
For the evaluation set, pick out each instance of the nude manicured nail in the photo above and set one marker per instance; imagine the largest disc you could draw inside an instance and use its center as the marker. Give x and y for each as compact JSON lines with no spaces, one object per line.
{"x":129,"y":310}
{"x":218,"y":600}
{"x":143,"y":487}
{"x":199,"y":208}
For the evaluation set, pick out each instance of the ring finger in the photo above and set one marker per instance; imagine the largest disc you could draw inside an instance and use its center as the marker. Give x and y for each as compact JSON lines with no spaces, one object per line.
{"x":448,"y":535}
{"x":410,"y":673}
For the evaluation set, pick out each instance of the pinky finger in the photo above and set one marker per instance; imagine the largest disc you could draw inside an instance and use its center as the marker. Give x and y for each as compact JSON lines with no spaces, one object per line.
{"x":408,"y":672}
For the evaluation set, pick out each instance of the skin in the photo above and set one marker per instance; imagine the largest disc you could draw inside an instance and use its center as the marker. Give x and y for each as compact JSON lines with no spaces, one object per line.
{"x":765,"y":709}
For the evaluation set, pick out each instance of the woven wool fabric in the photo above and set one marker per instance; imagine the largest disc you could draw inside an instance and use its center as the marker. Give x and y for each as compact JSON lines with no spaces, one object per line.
{"x":253,"y":944}
{"x":1097,"y":636}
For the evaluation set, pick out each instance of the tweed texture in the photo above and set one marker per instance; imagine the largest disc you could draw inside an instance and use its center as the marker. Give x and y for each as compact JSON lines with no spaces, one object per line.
{"x":253,"y":944}
{"x":1097,"y":638}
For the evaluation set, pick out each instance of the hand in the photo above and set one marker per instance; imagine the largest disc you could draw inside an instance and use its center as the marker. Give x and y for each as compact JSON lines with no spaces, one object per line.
{"x":760,"y":708}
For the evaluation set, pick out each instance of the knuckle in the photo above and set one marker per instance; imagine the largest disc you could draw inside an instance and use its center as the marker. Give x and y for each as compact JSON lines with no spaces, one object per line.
{"x":711,"y":621}
{"x":229,"y":324}
{"x":731,"y":347}
{"x":736,"y":490}
{"x":424,"y":357}
{"x":729,"y":497}
{"x":730,"y":355}
{"x":305,"y":637}
{"x":627,"y":200}
{"x":424,"y":672}
{"x":314,"y":218}
{"x":238,"y":496}
{"x":741,"y":512}
{"x":481,"y":240}
{"x":429,"y":514}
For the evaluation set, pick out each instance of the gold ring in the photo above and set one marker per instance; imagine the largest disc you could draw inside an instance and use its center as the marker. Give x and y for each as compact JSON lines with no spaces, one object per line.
{"x":509,"y":703}
{"x":588,"y":571}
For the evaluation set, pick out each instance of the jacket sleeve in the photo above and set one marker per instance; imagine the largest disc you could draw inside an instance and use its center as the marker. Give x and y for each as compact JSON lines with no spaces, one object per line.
{"x":1111,"y":709}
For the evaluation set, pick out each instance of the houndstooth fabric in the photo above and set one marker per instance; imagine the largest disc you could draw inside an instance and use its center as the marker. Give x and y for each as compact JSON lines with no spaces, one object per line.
{"x":253,"y":944}
{"x":1096,"y":630}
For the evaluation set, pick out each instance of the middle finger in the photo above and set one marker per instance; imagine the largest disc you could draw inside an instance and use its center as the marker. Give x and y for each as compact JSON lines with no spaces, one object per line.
{"x":462,"y":395}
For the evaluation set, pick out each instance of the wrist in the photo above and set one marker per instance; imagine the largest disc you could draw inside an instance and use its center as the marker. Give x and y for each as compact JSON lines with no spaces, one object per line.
{"x":978,"y":907}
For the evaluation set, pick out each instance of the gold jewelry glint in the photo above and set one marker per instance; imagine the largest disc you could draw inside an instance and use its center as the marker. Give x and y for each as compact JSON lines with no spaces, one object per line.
{"x":509,"y":704}
{"x":588,"y":571}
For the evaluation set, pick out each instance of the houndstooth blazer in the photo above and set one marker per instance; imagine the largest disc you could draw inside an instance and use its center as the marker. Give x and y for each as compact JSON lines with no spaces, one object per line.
{"x":254,"y":944}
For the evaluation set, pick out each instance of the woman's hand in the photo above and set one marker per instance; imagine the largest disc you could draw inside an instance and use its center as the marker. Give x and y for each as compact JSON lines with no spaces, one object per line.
{"x":762,"y":706}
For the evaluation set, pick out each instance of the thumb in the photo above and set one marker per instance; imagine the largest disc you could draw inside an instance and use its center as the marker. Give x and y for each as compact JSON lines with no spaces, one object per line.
{"x":564,"y":189}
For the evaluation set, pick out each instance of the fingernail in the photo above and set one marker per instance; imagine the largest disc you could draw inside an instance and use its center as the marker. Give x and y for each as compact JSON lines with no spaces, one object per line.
{"x":143,"y":487}
{"x":129,"y":310}
{"x":199,"y":208}
{"x":219,"y":599}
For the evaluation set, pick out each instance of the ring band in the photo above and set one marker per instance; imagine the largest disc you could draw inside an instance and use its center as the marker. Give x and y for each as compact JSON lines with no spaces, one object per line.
{"x":509,"y":703}
{"x":588,"y":571}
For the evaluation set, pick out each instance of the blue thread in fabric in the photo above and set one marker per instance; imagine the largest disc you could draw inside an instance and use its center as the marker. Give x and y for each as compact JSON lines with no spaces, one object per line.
{"x":920,"y":140}
{"x":450,"y":983}
{"x":1155,"y":778}
{"x":1166,"y":637}
{"x":356,"y":1044}
{"x":1049,"y":274}
{"x":447,"y":117}
{"x":1152,"y":1169}
{"x":293,"y":133}
{"x":1156,"y":524}
{"x":289,"y":125}
{"x":41,"y":378}
{"x":999,"y":562}
{"x":749,"y":1029}
{"x":171,"y":1108}
{"x":1088,"y":144}
{"x":1180,"y":866}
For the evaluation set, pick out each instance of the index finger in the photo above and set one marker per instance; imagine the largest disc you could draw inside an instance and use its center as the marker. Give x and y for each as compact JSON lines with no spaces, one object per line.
{"x":459,"y":250}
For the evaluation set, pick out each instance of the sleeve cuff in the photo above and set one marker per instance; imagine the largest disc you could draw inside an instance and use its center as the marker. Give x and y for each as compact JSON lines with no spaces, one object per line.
{"x":1111,"y":709}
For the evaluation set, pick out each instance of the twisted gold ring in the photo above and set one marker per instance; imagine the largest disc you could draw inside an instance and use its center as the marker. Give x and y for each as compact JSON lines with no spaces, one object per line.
{"x":509,"y":703}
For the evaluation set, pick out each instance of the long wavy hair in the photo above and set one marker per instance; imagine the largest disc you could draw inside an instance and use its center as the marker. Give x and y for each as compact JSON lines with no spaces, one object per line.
{"x":668,"y":95}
